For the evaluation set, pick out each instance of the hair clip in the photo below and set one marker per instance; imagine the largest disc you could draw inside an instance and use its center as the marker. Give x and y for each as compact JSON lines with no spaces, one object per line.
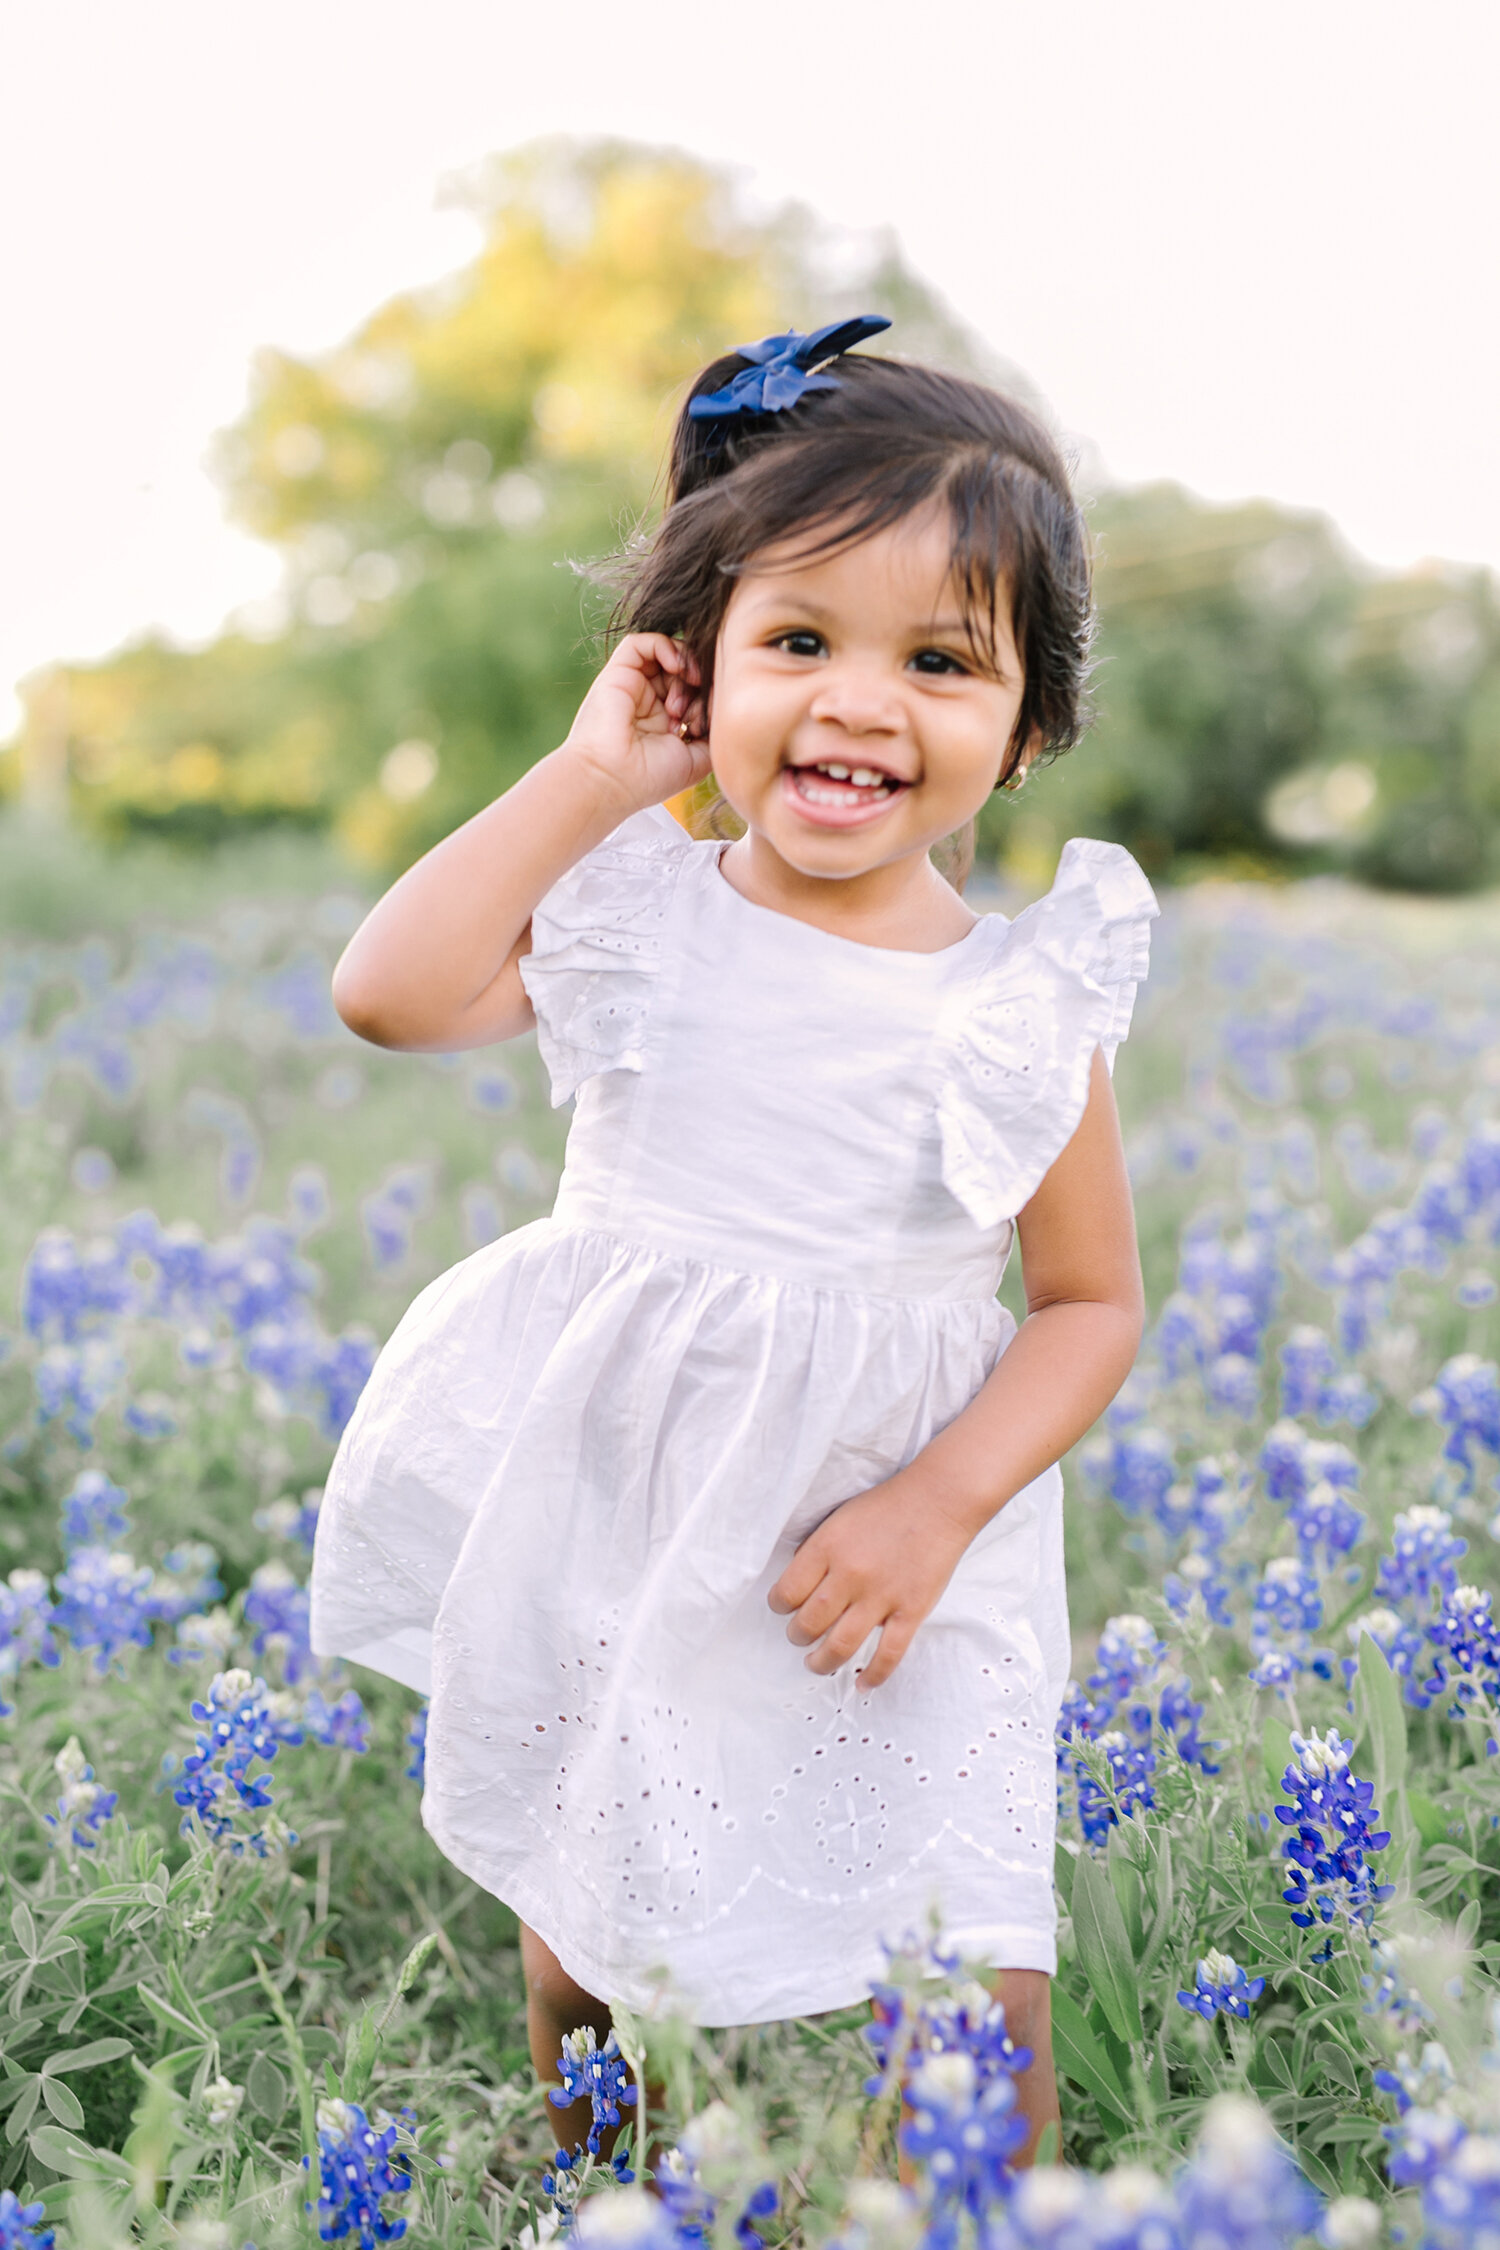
{"x":782,"y":369}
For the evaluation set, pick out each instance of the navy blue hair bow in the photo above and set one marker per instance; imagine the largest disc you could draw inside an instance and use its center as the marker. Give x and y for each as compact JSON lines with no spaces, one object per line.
{"x":782,"y":369}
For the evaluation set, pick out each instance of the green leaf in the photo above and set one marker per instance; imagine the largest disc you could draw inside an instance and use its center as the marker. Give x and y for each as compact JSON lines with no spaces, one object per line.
{"x":1382,"y":1718}
{"x":23,"y":1927}
{"x":1162,"y":1885}
{"x":75,"y":2159}
{"x":1080,"y":2057}
{"x":1432,"y":1825}
{"x":1063,"y":1864}
{"x":359,"y":2056}
{"x":1104,"y":1949}
{"x":1276,"y":1750}
{"x":266,"y":2089}
{"x":85,"y":2058}
{"x":23,"y":2113}
{"x":63,"y":2102}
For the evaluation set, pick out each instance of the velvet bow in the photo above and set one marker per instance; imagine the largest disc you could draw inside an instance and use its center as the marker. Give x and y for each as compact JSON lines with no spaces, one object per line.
{"x":782,"y":369}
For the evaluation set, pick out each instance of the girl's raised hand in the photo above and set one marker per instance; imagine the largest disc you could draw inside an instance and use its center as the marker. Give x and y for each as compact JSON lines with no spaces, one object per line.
{"x":629,"y":727}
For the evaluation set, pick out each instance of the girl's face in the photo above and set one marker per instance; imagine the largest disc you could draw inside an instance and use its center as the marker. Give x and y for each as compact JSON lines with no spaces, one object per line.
{"x":851,"y":726}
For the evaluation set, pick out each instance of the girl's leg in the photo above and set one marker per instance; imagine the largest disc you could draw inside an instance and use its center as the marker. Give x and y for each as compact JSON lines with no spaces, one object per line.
{"x":556,"y":2005}
{"x":1026,"y":1995}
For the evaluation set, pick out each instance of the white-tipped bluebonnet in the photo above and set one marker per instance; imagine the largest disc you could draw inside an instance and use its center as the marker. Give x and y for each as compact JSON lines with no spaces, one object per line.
{"x":1307,"y":1363}
{"x":76,"y":1382}
{"x":103,"y":1603}
{"x":357,"y":2176}
{"x":1287,"y":1612}
{"x":1241,"y":2188}
{"x":1350,"y":1397}
{"x":238,"y":1731}
{"x":25,"y":1629}
{"x":1233,"y":1385}
{"x":715,"y":2164}
{"x":1423,"y":1562}
{"x":1476,"y":1290}
{"x":598,"y":2075}
{"x":1402,"y":1644}
{"x":1466,"y":1401}
{"x":342,"y":1725}
{"x":95,"y":1513}
{"x":1134,"y":1466}
{"x":629,"y":2220}
{"x":1221,"y":1987}
{"x":962,"y":2128}
{"x":309,"y":1202}
{"x":295,"y":1521}
{"x":1464,"y":1644}
{"x":1332,"y":1821}
{"x":1182,"y":1337}
{"x":85,"y":1804}
{"x":188,"y":1581}
{"x":277,"y":1608}
{"x":1325,"y":1523}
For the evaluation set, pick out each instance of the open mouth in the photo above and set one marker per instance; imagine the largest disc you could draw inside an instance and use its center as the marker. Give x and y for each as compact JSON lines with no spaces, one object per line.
{"x":838,"y":792}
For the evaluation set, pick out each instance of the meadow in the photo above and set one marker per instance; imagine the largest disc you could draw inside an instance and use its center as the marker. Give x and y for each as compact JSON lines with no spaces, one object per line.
{"x":226,"y":1944}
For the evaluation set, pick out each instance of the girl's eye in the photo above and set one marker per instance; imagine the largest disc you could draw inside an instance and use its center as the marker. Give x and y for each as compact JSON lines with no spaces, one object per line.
{"x":936,"y":661}
{"x":800,"y":644}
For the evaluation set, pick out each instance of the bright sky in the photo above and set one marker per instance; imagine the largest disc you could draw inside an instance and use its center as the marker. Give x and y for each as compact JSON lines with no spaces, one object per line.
{"x":1249,"y":247}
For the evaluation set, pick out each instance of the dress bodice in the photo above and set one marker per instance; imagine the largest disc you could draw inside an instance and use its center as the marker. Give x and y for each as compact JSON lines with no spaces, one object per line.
{"x":756,"y":1092}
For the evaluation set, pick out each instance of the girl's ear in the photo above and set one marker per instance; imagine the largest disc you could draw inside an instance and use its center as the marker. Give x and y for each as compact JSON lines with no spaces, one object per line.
{"x":1017,"y":763}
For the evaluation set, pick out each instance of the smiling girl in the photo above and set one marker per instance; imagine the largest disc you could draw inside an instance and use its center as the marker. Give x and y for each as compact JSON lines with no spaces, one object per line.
{"x":718,"y":1512}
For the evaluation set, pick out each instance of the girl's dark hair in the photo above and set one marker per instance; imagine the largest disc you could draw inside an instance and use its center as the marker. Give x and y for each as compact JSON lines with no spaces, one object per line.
{"x":844,"y":464}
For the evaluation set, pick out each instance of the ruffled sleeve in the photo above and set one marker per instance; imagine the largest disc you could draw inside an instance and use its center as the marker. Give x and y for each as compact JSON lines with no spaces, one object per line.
{"x":596,"y":950}
{"x":1060,"y":982}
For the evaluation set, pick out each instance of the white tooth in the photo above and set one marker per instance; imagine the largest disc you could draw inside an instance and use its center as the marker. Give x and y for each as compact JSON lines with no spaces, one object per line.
{"x":837,"y":773}
{"x":862,"y":777}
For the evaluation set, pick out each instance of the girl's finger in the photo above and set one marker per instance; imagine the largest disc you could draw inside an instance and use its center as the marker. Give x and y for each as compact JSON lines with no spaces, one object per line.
{"x":847,"y":1639}
{"x":796,"y":1582}
{"x":815,"y":1615}
{"x":893,"y":1644}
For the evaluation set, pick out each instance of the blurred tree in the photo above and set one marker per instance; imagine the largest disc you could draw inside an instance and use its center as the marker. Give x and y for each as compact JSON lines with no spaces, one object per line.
{"x":431,"y":484}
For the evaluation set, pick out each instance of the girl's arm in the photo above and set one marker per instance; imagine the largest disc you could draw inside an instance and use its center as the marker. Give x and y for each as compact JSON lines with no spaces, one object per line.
{"x":884,"y":1558}
{"x":435,"y":963}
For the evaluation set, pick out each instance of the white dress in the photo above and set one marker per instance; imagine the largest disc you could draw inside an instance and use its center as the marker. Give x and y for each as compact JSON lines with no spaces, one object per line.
{"x":588,"y":1450}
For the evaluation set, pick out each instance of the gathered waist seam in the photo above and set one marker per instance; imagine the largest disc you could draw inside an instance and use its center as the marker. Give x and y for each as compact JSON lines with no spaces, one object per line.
{"x":631,"y":1241}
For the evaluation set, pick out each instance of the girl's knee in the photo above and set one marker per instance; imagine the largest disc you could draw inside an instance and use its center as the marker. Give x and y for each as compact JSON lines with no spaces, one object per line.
{"x":1026,"y":1996}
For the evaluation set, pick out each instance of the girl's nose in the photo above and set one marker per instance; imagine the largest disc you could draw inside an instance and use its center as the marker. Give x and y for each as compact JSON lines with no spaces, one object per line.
{"x":858,"y":701}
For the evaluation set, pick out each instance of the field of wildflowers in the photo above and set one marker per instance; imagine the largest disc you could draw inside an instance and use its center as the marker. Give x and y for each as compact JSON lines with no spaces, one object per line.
{"x":243,"y":2000}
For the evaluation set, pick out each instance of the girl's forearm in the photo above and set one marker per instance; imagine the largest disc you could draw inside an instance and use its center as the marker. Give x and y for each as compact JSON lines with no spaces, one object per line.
{"x":1062,"y":1368}
{"x":416,"y":971}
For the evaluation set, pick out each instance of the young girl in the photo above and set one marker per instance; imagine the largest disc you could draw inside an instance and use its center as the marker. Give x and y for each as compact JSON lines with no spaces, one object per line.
{"x":718,"y":1513}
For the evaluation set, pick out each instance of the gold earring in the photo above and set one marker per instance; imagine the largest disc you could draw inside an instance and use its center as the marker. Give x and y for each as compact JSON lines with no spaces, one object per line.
{"x":1016,"y":781}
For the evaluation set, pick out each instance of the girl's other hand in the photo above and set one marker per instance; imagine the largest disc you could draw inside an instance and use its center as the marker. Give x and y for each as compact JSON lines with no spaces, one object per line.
{"x":878,"y":1563}
{"x":629,"y":725}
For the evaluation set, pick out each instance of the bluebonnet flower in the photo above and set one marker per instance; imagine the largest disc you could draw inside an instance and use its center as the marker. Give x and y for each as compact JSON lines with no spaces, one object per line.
{"x":201,"y":1634}
{"x":964,"y":2128}
{"x":1132,"y":1768}
{"x":389,"y":1213}
{"x":1461,"y":2196}
{"x":1326,"y":1524}
{"x":1282,"y":1460}
{"x":1466,"y":1664}
{"x":338,"y":1726}
{"x":1287,"y":1611}
{"x":598,"y":2075}
{"x":104,"y":1603}
{"x":1466,"y":1401}
{"x":309,"y":1203}
{"x":1307,"y":1363}
{"x":187,"y":1581}
{"x":25,"y":1628}
{"x":68,"y":1292}
{"x":715,"y":2162}
{"x":1331,"y":1816}
{"x":1421,"y":2144}
{"x":239,"y":1729}
{"x":1221,"y":1986}
{"x":1401,"y":1643}
{"x":1181,"y":1336}
{"x":95,"y":1513}
{"x":1350,"y":1397}
{"x":1134,"y":1466}
{"x":1476,"y":1290}
{"x":149,"y":1415}
{"x":1423,"y":1561}
{"x":1233,"y":1385}
{"x":277,"y":1606}
{"x":19,"y":2223}
{"x":1200,"y":1574}
{"x":85,"y":1804}
{"x":75,"y":1383}
{"x":295,"y":1521}
{"x":354,"y":2161}
{"x":1241,"y":2189}
{"x":416,"y":1743}
{"x":1129,"y":1712}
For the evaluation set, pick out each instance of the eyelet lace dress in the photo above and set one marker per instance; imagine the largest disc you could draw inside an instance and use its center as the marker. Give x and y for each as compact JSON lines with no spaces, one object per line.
{"x":589,"y":1450}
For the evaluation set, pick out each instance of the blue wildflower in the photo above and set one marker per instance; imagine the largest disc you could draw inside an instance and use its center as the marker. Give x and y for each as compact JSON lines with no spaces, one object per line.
{"x":596,"y":2074}
{"x":338,"y":1726}
{"x":19,"y":2223}
{"x":1466,"y":1397}
{"x":711,"y":2165}
{"x":1423,"y":1560}
{"x":1233,"y":1385}
{"x":964,"y":2128}
{"x":104,"y":1603}
{"x":1331,"y":1815}
{"x":94,"y":1512}
{"x":354,"y":2161}
{"x":416,"y":1743}
{"x":1466,"y":1663}
{"x":277,"y":1606}
{"x":239,"y":1729}
{"x":1307,"y":1364}
{"x":85,"y":1804}
{"x":1241,"y":2189}
{"x":25,"y":1628}
{"x":187,"y":1582}
{"x":1326,"y":1524}
{"x":1221,"y":1986}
